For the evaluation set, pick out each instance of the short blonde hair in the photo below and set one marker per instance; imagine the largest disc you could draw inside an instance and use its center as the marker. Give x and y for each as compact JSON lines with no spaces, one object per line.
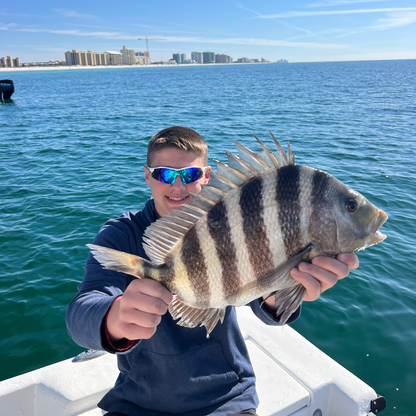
{"x":180,"y":138}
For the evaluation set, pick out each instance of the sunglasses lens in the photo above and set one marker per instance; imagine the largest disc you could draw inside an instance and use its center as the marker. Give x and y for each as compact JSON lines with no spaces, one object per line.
{"x":190,"y":175}
{"x":166,"y":175}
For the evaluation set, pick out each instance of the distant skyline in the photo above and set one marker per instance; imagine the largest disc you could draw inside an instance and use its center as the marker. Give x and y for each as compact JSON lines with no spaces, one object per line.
{"x":299,"y":31}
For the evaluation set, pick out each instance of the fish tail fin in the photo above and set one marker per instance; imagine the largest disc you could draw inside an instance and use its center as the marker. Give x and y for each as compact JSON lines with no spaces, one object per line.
{"x":122,"y":262}
{"x":287,"y":301}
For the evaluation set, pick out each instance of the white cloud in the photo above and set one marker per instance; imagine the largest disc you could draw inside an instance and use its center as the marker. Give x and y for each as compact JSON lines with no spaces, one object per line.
{"x":323,"y":13}
{"x":197,"y":40}
{"x":4,"y":28}
{"x":145,"y":26}
{"x":325,"y":3}
{"x":71,"y":13}
{"x":396,"y":20}
{"x":278,"y":21}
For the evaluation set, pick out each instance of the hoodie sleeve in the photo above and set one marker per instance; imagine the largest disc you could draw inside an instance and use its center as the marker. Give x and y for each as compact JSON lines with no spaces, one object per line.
{"x":100,"y":287}
{"x":269,"y":318}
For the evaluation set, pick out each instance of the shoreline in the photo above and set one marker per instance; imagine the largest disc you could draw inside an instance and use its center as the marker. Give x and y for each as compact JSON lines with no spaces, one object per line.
{"x":75,"y":67}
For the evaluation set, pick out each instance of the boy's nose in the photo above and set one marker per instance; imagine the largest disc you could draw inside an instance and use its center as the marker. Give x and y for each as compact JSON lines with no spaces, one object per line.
{"x":178,"y":182}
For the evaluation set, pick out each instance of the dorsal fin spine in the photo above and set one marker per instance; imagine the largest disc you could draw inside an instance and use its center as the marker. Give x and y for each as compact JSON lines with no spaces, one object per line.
{"x":232,"y":174}
{"x":251,"y":158}
{"x":241,"y":165}
{"x":267,"y":155}
{"x":280,"y":154}
{"x":221,"y":183}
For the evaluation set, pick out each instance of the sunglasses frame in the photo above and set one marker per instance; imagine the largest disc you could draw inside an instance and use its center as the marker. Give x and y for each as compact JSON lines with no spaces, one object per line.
{"x":202,"y":168}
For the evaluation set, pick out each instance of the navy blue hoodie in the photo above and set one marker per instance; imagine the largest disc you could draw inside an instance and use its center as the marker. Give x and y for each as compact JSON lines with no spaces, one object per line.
{"x":178,"y":370}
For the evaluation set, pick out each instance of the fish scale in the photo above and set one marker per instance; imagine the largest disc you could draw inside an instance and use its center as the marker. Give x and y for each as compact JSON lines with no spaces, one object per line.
{"x":239,"y":238}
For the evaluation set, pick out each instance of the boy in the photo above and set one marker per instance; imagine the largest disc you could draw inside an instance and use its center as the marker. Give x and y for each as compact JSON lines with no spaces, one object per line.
{"x":166,"y":368}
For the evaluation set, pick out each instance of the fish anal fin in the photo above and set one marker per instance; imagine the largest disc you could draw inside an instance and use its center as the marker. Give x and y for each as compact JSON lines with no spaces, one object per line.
{"x":190,"y":317}
{"x":288,"y":300}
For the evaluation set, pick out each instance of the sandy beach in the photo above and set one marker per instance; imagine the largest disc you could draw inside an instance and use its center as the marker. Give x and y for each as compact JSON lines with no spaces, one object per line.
{"x":74,"y":67}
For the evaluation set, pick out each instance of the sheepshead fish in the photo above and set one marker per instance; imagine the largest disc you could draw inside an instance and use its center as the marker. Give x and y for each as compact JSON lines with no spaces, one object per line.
{"x":258,"y":217}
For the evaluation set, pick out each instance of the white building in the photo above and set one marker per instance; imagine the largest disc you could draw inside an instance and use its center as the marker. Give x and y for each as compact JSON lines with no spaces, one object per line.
{"x":142,"y":58}
{"x":114,"y":58}
{"x":9,"y":61}
{"x":128,"y":56}
{"x":73,"y":58}
{"x":197,"y":57}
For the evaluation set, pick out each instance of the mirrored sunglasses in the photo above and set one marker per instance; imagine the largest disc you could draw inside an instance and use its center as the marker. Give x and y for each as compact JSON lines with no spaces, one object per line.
{"x":168,"y":175}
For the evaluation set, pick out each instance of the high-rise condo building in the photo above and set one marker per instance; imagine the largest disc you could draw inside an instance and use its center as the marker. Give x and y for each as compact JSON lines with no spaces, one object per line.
{"x":9,"y":62}
{"x":197,"y":57}
{"x":73,"y":58}
{"x":128,"y":56}
{"x":223,"y":59}
{"x":208,"y":57}
{"x":177,"y":58}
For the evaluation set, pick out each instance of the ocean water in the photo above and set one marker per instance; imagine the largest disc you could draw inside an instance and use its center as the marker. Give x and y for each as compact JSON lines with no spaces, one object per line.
{"x":72,"y":147}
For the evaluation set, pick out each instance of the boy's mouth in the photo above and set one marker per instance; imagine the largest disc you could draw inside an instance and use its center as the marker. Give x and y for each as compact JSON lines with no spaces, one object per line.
{"x":180,"y":199}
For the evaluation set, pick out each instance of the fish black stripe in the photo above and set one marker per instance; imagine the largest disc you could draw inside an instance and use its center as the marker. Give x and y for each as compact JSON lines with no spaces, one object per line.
{"x":194,"y":260}
{"x":219,"y":229}
{"x":319,"y":185}
{"x":289,"y":209}
{"x":256,"y":239}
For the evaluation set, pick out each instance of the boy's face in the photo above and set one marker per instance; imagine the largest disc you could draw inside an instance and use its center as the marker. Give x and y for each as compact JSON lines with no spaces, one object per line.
{"x":169,"y":197}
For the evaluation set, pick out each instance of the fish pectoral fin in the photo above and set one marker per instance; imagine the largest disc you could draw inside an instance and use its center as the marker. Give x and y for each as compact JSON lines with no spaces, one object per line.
{"x":287,"y":301}
{"x":190,"y":317}
{"x":277,"y":278}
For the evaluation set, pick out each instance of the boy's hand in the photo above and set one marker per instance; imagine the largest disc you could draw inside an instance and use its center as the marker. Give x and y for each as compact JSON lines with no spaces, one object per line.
{"x":137,"y":313}
{"x":323,"y":273}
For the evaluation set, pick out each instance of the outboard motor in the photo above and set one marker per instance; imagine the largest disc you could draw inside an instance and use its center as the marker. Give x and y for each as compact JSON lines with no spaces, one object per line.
{"x":6,"y":89}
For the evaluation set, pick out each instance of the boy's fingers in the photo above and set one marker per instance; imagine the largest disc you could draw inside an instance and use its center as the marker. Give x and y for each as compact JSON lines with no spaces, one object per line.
{"x":151,"y":288}
{"x":312,"y":286}
{"x":350,"y":259}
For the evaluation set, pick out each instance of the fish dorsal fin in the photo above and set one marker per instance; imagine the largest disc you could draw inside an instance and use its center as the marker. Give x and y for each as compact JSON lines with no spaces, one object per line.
{"x":280,"y":154}
{"x":268,"y":156}
{"x":161,"y":236}
{"x":230,"y":173}
{"x":251,"y":158}
{"x":221,"y":182}
{"x":241,"y":166}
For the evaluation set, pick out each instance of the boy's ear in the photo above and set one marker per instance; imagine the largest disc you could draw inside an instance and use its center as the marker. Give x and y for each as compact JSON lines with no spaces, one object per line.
{"x":207,"y":174}
{"x":146,"y":175}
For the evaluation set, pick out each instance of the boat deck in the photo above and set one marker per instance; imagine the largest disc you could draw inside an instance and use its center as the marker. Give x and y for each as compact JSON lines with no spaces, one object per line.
{"x":293,"y":378}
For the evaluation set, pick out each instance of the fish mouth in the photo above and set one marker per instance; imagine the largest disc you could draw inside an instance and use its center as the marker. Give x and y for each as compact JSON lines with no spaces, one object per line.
{"x":375,"y":235}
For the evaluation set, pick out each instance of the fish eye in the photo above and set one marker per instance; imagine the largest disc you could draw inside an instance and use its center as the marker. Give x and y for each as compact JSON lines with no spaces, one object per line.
{"x":351,"y":205}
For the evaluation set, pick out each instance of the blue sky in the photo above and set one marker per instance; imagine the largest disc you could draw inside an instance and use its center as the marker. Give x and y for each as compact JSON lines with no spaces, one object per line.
{"x":299,"y":31}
